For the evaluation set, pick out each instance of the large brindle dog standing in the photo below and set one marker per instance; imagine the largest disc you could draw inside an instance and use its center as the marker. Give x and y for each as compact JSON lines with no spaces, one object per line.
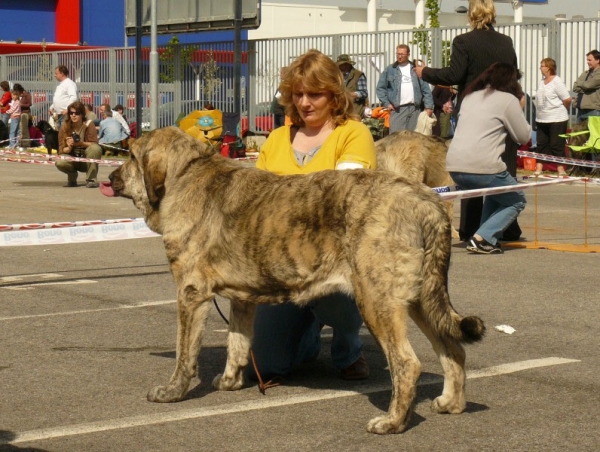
{"x":255,"y":237}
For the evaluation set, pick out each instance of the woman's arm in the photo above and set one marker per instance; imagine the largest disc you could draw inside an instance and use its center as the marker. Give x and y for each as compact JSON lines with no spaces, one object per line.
{"x":514,"y":120}
{"x":90,"y":136}
{"x":455,"y":74}
{"x":357,"y":148}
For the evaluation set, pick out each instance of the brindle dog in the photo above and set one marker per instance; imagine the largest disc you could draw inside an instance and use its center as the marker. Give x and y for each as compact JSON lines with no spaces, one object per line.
{"x":255,"y":237}
{"x":418,"y":157}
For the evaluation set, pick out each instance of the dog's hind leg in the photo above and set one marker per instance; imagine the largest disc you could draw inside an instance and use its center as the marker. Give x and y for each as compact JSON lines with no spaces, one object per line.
{"x":437,"y":318}
{"x":239,"y":341}
{"x":452,"y":357}
{"x":383,"y":297}
{"x":192,"y":316}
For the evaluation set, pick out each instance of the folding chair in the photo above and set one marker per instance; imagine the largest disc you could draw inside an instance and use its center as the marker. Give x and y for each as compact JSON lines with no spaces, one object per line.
{"x":591,"y":148}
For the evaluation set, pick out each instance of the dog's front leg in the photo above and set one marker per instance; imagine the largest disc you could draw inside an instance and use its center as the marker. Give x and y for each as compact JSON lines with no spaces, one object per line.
{"x":192,"y":315}
{"x":239,"y":340}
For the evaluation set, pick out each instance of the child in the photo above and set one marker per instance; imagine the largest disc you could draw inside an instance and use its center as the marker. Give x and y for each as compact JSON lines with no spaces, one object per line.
{"x":15,"y":118}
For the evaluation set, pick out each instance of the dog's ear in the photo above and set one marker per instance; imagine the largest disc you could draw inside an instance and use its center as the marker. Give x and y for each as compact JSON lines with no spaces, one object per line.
{"x":155,"y":173}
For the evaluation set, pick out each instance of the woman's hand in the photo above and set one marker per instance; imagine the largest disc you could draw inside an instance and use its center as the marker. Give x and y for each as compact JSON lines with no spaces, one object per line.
{"x":419,"y":69}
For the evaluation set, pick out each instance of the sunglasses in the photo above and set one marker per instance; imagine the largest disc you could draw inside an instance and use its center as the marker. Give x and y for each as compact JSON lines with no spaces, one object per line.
{"x":74,"y":113}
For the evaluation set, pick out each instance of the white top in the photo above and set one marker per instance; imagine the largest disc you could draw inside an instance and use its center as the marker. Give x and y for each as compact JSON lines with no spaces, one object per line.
{"x":549,"y":101}
{"x":65,"y":95}
{"x":407,"y":93}
{"x":116,"y":115}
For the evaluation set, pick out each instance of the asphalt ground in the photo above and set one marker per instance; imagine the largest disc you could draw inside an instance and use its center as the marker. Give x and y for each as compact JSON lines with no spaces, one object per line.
{"x":87,"y":329}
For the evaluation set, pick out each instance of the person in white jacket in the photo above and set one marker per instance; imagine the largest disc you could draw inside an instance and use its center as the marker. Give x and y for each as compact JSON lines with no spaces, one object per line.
{"x":491,"y":109}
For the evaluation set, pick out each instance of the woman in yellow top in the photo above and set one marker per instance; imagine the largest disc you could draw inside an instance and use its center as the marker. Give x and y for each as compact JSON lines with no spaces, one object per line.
{"x":324,"y":135}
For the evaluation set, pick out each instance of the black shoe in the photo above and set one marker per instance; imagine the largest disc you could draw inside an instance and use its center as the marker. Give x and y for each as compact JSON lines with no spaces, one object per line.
{"x":483,"y":247}
{"x":71,"y":184}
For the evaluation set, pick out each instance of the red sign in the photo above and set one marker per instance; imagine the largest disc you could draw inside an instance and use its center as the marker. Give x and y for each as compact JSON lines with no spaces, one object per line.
{"x":86,"y":98}
{"x":38,"y":97}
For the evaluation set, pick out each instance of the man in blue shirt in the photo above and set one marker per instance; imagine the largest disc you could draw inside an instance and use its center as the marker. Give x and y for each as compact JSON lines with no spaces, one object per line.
{"x":111,"y":131}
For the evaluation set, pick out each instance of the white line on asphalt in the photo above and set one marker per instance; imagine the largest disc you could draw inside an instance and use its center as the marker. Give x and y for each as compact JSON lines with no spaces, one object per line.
{"x":141,"y":304}
{"x":55,"y":283}
{"x":313,"y":396}
{"x":22,"y":277}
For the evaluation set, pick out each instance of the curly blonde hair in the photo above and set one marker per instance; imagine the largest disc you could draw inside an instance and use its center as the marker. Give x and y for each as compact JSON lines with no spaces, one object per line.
{"x":315,"y":72}
{"x":481,"y":13}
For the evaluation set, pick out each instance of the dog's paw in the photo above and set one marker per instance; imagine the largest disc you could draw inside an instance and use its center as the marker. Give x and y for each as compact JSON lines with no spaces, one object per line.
{"x":221,"y":383}
{"x":385,"y":425}
{"x":164,"y":394}
{"x":444,"y":404}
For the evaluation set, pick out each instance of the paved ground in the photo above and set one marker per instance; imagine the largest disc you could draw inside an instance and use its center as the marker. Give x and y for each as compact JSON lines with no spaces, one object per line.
{"x":87,"y":329}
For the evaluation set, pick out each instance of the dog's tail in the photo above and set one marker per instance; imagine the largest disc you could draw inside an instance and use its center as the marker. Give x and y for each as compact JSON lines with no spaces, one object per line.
{"x":435,"y":307}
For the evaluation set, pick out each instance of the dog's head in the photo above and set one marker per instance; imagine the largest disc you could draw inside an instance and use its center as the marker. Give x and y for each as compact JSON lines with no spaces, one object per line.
{"x":44,"y":126}
{"x":156,"y":158}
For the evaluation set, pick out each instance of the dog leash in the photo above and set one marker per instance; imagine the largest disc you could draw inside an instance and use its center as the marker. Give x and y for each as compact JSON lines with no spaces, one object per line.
{"x":262,"y":386}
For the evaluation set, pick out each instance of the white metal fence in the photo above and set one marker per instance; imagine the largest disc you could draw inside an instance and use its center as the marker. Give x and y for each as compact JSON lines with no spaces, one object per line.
{"x":194,"y":74}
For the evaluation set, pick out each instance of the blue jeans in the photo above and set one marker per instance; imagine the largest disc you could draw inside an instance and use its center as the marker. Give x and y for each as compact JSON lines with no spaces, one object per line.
{"x":287,"y":335}
{"x":14,"y":131}
{"x":499,"y":211}
{"x":584,"y":114}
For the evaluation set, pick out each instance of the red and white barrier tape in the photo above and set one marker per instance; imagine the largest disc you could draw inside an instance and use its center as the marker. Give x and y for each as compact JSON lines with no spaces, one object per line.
{"x":63,"y":224}
{"x":103,"y":162}
{"x":565,"y":160}
{"x":135,"y":229}
{"x":50,"y":159}
{"x":458,"y":194}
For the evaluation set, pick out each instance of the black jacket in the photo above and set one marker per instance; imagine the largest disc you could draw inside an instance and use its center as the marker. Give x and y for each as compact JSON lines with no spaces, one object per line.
{"x":472,"y":53}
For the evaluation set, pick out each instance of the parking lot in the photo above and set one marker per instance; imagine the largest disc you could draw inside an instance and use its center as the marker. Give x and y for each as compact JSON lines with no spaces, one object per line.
{"x":88,"y":328}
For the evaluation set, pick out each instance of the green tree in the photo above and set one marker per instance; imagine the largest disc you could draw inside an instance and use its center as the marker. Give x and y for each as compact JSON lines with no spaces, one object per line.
{"x":209,"y":71}
{"x":422,"y":38}
{"x":167,"y":57}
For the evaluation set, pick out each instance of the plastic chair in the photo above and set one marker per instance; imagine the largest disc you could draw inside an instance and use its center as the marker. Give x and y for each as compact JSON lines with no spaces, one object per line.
{"x":591,"y":147}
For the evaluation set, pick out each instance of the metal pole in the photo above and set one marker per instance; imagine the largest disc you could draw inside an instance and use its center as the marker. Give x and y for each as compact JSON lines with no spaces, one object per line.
{"x":237,"y":66}
{"x":153,"y":69}
{"x":138,"y":65}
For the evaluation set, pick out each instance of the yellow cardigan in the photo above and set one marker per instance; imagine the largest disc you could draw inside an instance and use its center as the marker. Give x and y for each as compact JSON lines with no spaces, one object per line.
{"x":351,"y":142}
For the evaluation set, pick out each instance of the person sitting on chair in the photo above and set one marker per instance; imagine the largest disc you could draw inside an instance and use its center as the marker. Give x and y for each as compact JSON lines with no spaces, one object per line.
{"x":111,"y":132}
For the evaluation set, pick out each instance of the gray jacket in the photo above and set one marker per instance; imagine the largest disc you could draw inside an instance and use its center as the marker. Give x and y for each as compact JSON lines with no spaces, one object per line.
{"x":590,"y":89}
{"x":388,"y":88}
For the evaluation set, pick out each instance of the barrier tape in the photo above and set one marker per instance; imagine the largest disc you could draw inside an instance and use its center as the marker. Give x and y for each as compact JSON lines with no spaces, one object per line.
{"x":132,"y":228}
{"x":565,"y":160}
{"x":50,"y":159}
{"x":79,"y":234}
{"x":464,"y":194}
{"x":63,"y":224}
{"x":103,"y":162}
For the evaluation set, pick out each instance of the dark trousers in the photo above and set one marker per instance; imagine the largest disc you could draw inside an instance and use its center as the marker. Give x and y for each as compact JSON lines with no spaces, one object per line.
{"x":548,"y":138}
{"x":471,"y":208}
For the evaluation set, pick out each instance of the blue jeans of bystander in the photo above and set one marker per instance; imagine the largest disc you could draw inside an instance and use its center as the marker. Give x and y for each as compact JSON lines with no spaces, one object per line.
{"x":499,"y":211}
{"x":286,"y":335}
{"x":14,"y":132}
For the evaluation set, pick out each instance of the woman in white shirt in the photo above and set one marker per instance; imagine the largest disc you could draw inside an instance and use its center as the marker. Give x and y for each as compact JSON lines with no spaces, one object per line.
{"x":552,"y":101}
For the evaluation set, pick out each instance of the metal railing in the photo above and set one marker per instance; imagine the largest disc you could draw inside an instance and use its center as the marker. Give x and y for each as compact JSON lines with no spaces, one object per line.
{"x":194,"y":74}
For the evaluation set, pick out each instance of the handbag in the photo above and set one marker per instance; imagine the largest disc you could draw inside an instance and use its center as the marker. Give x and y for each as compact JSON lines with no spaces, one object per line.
{"x":425,"y":123}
